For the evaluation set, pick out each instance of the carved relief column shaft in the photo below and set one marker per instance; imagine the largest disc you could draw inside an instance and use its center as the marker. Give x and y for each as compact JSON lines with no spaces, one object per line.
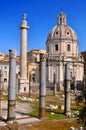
{"x":23,"y":82}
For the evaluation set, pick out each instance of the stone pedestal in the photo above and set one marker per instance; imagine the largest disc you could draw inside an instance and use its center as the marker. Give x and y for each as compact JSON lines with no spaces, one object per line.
{"x":23,"y":85}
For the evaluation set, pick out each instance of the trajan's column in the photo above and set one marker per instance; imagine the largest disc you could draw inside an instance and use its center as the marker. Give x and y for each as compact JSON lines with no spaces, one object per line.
{"x":23,"y":82}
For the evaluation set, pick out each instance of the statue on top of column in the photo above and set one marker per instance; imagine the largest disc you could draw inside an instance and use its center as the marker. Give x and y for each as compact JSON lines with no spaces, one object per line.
{"x":24,"y":16}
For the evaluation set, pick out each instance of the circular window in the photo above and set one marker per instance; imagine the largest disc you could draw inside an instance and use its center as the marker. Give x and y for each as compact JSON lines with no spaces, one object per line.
{"x":67,"y":33}
{"x":56,"y":32}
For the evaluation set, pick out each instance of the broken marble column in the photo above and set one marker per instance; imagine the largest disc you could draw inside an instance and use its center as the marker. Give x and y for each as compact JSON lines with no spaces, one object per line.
{"x":42,"y":89}
{"x":55,"y":86}
{"x":30,"y":85}
{"x":1,"y":80}
{"x":75,"y":84}
{"x":67,"y":89}
{"x":1,"y":86}
{"x":84,"y":81}
{"x":12,"y":85}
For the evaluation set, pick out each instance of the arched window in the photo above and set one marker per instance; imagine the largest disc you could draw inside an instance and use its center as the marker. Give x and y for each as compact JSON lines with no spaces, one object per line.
{"x":34,"y":77}
{"x":56,"y":47}
{"x":63,"y":20}
{"x":60,"y":20}
{"x":68,"y":47}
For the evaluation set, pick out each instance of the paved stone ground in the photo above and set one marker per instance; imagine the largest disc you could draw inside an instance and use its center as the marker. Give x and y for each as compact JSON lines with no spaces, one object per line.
{"x":21,"y":113}
{"x":20,"y":121}
{"x":22,"y":109}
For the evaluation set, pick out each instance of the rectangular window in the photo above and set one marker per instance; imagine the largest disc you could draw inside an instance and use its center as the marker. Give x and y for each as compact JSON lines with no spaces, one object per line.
{"x":5,"y":67}
{"x":24,"y":89}
{"x":56,"y":47}
{"x":68,"y":47}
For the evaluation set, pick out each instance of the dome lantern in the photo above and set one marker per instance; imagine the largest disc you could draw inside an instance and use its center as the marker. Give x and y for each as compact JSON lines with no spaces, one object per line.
{"x":62,"y":18}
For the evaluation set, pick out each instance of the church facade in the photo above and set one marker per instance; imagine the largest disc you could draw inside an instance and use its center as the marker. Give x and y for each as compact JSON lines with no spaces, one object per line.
{"x":62,"y":47}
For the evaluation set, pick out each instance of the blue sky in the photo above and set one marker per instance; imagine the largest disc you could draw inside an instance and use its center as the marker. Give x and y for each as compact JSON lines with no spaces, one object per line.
{"x":41,"y":17}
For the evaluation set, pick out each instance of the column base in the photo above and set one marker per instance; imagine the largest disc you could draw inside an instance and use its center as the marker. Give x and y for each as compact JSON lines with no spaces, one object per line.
{"x":11,"y":110}
{"x":23,"y":86}
{"x":68,"y":114}
{"x":11,"y":118}
{"x":42,"y":114}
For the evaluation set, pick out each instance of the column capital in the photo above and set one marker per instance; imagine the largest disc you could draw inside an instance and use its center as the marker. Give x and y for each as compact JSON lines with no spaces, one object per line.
{"x":12,"y":53}
{"x":43,"y":57}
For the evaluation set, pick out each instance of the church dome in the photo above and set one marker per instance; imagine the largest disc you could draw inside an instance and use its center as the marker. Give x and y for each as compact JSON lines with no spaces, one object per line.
{"x":62,"y":30}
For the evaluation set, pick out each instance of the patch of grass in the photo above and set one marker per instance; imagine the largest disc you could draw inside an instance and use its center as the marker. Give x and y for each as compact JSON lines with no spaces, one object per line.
{"x":19,"y":100}
{"x":4,"y":97}
{"x":56,"y":116}
{"x":35,"y":109}
{"x":58,"y":111}
{"x":35,"y":105}
{"x":74,"y":108}
{"x":34,"y":113}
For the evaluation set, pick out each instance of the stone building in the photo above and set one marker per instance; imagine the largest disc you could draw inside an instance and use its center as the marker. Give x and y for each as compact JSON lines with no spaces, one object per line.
{"x":62,"y":47}
{"x":4,"y":64}
{"x":34,"y":55}
{"x":33,"y":58}
{"x":84,"y":57}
